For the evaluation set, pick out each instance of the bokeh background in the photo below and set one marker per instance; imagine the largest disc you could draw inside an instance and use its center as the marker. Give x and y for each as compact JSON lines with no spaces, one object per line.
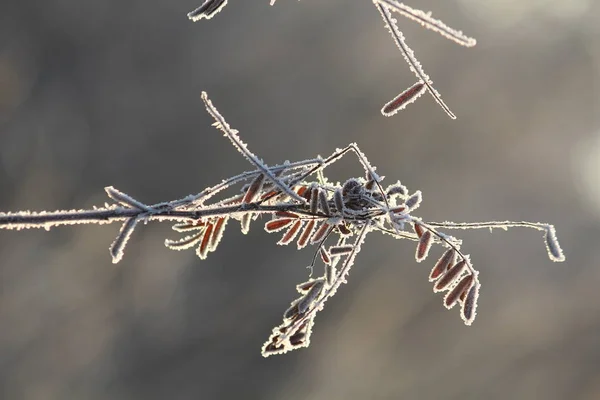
{"x":98,"y":93}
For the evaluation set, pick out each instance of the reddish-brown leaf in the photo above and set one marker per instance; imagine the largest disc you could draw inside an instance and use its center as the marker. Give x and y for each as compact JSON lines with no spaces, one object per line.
{"x":325,"y":256}
{"x":314,"y":200}
{"x":320,"y":233}
{"x":340,"y":250}
{"x":424,"y":245}
{"x":450,"y":276}
{"x":324,"y":203}
{"x":254,"y":189}
{"x":403,"y":99}
{"x":202,"y":250}
{"x":306,"y":234}
{"x":217,"y":233}
{"x":469,"y":309}
{"x":277,"y":224}
{"x":442,"y":264}
{"x":453,"y":295}
{"x":418,"y":228}
{"x":291,"y":233}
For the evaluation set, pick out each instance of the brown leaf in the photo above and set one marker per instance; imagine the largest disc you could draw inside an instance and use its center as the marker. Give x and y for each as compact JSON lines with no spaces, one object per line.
{"x":424,"y":245}
{"x":450,"y":276}
{"x":277,"y":224}
{"x":453,"y":295}
{"x":469,"y":309}
{"x":442,"y":265}
{"x":306,"y":234}
{"x":291,"y":233}
{"x":403,"y":99}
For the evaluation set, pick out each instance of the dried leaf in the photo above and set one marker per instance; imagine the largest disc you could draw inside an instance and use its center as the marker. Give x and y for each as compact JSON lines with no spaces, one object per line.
{"x":418,"y":229}
{"x":202,"y":250}
{"x":320,"y":233}
{"x":340,"y":250}
{"x":554,"y":251}
{"x":254,"y":188}
{"x":403,"y":99}
{"x":118,"y":246}
{"x":414,"y":201}
{"x":306,"y":234}
{"x":217,"y":233}
{"x":424,"y":245}
{"x":189,"y":226}
{"x":324,"y":203}
{"x":442,"y":265}
{"x":338,"y":200}
{"x":291,"y":233}
{"x":453,"y":295}
{"x":451,"y":275}
{"x":325,"y":256}
{"x":313,"y":293}
{"x":469,"y":309}
{"x":277,"y":224}
{"x":185,"y":243}
{"x":314,"y":200}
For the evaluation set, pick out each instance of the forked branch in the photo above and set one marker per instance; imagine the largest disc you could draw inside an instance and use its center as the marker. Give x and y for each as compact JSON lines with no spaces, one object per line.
{"x":307,"y":209}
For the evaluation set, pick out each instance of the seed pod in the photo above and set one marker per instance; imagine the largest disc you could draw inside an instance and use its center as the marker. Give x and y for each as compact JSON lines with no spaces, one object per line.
{"x":424,"y":245}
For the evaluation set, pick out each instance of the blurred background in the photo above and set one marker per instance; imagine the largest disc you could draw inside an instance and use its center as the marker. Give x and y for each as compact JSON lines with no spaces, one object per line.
{"x":98,"y":93}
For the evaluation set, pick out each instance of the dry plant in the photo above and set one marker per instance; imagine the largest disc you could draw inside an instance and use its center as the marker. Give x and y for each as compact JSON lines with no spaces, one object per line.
{"x":385,"y":7}
{"x":307,"y":209}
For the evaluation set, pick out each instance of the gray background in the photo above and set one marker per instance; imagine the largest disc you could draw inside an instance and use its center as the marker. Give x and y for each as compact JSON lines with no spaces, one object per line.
{"x":97,"y":93}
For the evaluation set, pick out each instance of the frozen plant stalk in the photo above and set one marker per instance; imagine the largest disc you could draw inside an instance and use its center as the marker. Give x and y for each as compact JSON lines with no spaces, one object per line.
{"x":307,"y":209}
{"x":385,"y":8}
